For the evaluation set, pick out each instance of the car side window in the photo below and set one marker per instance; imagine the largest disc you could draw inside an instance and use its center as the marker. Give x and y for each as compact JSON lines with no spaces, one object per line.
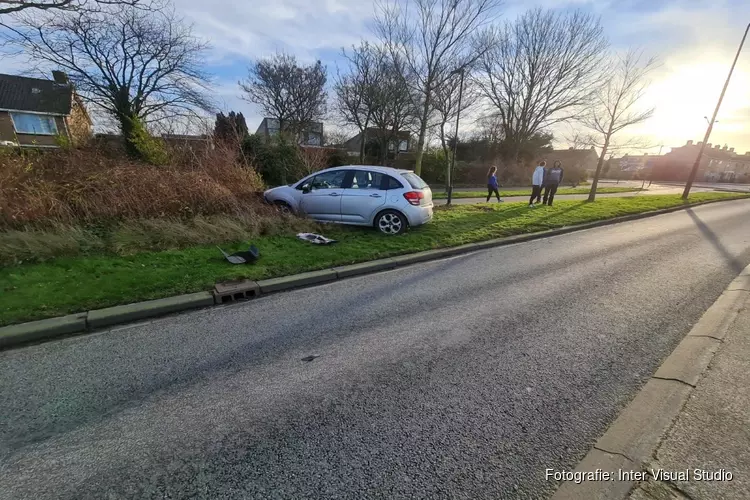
{"x":391,"y":183}
{"x":365,"y":179}
{"x":328,"y":180}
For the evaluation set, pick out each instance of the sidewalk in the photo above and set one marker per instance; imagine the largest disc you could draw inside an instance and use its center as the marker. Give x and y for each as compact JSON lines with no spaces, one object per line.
{"x":712,"y":432}
{"x":686,"y":434}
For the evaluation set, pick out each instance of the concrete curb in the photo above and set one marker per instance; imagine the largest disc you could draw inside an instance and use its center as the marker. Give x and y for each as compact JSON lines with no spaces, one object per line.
{"x":40,"y":330}
{"x":296,"y":281}
{"x":14,"y":335}
{"x":149,"y":309}
{"x":632,"y":438}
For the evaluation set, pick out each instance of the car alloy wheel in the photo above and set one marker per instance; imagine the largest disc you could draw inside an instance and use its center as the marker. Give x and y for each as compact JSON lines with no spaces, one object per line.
{"x":391,"y":223}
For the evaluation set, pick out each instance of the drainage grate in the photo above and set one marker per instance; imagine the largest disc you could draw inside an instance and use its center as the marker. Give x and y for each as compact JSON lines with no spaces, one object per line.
{"x":233,"y":291}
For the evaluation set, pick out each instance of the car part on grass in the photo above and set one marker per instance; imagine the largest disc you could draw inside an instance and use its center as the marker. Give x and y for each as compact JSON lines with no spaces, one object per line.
{"x":315,"y":238}
{"x":248,"y":257}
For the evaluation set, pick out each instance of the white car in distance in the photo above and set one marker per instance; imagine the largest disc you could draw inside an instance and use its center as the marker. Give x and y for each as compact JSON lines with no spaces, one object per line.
{"x":386,"y":198}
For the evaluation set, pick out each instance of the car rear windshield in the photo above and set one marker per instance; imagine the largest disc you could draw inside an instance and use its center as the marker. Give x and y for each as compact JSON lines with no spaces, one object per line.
{"x":415,"y":181}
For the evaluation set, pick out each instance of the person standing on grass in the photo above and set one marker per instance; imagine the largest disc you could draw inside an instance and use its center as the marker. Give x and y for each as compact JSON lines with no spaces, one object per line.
{"x":492,"y":186}
{"x":552,"y":180}
{"x":537,"y":181}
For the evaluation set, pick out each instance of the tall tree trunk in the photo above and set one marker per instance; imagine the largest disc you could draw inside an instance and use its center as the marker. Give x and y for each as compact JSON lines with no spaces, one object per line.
{"x":422,"y":134}
{"x":363,"y":142}
{"x":445,"y":154}
{"x":595,"y":181}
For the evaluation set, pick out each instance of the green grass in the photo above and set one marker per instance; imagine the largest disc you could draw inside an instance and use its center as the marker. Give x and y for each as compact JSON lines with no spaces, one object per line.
{"x":71,"y":284}
{"x":527,"y":192}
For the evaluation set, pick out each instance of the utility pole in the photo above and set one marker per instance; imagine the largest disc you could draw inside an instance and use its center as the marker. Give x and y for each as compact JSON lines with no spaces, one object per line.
{"x":694,"y":172}
{"x":459,"y":71}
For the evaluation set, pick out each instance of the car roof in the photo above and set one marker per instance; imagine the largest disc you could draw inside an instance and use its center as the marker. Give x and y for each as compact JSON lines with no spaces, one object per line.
{"x":375,"y":168}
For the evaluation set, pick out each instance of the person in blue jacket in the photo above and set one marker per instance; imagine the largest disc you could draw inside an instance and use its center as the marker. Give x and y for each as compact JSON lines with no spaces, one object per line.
{"x":552,"y":180}
{"x":492,"y":186}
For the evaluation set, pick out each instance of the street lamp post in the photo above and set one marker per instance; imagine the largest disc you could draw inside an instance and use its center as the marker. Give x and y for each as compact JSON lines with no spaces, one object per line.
{"x":694,"y":172}
{"x":459,"y":71}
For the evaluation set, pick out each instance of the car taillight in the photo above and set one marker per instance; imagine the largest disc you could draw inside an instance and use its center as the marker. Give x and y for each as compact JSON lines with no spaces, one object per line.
{"x":414,"y":197}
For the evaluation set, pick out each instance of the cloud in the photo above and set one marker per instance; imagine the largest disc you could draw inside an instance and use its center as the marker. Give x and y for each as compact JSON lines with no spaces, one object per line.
{"x":243,"y":31}
{"x":695,"y":42}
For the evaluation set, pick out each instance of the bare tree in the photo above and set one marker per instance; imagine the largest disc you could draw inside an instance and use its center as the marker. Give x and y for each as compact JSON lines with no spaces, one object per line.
{"x":138,"y":66}
{"x":542,"y":69}
{"x":292,"y":94}
{"x":335,"y":137}
{"x":393,"y":108}
{"x":434,"y":39}
{"x":11,"y":6}
{"x":446,"y":104}
{"x":356,"y":93}
{"x":616,"y":105}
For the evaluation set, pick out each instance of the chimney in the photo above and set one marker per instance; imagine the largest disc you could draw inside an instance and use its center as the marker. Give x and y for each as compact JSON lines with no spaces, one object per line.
{"x":708,"y":145}
{"x":689,"y":143}
{"x":60,"y":77}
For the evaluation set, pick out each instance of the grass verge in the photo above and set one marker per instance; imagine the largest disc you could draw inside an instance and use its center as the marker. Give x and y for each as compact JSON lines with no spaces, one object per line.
{"x":71,"y":284}
{"x":527,"y":192}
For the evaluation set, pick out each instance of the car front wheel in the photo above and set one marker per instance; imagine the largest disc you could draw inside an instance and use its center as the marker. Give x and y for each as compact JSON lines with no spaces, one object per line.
{"x":283,"y":207}
{"x":390,"y":222}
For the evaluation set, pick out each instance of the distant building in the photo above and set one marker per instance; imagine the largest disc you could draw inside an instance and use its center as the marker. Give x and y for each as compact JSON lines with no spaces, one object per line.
{"x":583,"y":159}
{"x":36,"y":112}
{"x":189,"y":142}
{"x":311,"y":136}
{"x":718,"y":164}
{"x":401,"y":143}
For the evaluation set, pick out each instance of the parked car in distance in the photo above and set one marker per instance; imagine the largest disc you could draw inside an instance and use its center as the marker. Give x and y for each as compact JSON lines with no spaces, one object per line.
{"x":384,"y":197}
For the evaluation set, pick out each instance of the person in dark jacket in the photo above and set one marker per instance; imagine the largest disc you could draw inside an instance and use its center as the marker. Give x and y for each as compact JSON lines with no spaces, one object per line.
{"x":492,"y":185}
{"x":552,"y":179}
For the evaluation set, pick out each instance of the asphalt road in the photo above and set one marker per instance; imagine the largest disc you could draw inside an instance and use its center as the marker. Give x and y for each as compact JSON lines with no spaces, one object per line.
{"x":462,"y":378}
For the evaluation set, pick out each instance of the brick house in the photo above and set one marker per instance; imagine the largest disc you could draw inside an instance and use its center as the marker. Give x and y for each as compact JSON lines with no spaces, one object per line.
{"x":718,"y":164}
{"x":34,"y":112}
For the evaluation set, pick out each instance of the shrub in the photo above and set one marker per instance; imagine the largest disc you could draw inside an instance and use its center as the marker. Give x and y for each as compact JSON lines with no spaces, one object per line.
{"x":148,"y":148}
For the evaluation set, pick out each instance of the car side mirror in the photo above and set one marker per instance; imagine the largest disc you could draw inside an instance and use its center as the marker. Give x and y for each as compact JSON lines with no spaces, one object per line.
{"x":306,"y":189}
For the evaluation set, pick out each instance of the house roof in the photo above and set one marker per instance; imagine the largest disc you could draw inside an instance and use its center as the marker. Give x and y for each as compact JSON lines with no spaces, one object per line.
{"x":20,"y":93}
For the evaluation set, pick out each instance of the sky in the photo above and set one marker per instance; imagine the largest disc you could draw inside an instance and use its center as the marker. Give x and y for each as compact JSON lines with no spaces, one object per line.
{"x":695,"y":42}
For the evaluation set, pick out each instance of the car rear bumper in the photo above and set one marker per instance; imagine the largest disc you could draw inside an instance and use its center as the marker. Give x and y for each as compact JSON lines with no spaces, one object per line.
{"x":419,"y":215}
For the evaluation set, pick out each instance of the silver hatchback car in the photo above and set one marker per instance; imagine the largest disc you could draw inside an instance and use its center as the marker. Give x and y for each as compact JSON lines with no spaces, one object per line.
{"x":384,"y":197}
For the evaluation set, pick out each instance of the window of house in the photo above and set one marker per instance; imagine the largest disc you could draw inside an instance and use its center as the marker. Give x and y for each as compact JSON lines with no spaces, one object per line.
{"x":25,"y":123}
{"x":403,"y":146}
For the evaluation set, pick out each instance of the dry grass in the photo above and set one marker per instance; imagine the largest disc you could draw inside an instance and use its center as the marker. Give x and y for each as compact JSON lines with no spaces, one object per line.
{"x":132,"y":236}
{"x":94,"y":200}
{"x":86,"y":186}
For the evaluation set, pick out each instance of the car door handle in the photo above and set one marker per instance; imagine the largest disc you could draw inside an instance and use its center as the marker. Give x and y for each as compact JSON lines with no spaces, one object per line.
{"x":333,"y":194}
{"x":375,"y":195}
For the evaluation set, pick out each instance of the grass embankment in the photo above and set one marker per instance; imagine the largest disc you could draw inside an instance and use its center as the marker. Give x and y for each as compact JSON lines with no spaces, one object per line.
{"x":66,"y":285}
{"x":527,"y":192}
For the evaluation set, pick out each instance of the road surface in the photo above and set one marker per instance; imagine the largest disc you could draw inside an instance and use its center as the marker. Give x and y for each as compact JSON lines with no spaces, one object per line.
{"x":461,"y":378}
